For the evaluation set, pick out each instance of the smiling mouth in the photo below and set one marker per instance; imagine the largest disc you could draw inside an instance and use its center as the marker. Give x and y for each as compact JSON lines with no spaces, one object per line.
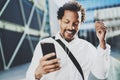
{"x":71,"y":32}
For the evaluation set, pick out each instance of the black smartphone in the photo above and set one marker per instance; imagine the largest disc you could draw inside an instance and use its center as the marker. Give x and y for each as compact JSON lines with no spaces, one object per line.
{"x":48,"y":48}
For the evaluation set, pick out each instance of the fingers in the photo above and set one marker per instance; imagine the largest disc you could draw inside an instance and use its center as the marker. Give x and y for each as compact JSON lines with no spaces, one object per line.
{"x":100,"y":27}
{"x":41,"y":70}
{"x":98,"y":23}
{"x":50,"y":62}
{"x":100,"y":30}
{"x":49,"y":65}
{"x":46,"y":57}
{"x":52,"y":68}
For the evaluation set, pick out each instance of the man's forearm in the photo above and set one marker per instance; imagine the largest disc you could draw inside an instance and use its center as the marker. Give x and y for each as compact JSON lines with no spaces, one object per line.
{"x":103,"y":44}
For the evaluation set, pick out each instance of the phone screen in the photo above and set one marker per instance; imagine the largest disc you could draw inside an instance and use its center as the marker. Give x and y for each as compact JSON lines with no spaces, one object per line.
{"x":48,"y":48}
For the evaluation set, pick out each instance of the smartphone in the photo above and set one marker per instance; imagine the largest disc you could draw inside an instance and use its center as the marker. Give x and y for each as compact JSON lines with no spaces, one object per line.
{"x":48,"y":48}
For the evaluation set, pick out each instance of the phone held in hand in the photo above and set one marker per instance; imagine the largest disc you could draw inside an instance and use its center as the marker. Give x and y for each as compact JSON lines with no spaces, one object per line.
{"x":48,"y":48}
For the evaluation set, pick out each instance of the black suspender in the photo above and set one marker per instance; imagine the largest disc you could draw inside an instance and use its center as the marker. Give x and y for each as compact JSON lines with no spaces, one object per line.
{"x":69,"y":53}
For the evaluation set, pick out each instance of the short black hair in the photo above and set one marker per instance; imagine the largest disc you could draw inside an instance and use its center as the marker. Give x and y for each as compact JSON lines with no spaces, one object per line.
{"x":72,"y":6}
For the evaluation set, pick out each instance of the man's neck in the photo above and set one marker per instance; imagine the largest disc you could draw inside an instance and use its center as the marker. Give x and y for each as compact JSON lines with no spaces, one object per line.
{"x":66,"y":39}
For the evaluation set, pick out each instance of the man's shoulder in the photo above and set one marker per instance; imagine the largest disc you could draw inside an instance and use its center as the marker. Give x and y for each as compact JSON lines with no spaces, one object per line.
{"x":84,"y":42}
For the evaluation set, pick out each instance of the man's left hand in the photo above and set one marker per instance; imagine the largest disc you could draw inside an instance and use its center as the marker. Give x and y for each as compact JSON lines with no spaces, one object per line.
{"x":101,"y":32}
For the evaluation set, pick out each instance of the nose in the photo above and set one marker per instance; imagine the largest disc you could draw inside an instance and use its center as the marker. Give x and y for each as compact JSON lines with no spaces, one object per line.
{"x":71,"y":27}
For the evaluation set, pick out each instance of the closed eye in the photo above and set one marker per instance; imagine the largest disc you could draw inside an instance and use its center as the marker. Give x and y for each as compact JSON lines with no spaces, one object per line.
{"x":66,"y":22}
{"x":76,"y":24}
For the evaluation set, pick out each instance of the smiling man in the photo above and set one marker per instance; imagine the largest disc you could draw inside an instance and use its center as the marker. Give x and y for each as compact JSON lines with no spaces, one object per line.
{"x":69,"y":25}
{"x":70,"y":17}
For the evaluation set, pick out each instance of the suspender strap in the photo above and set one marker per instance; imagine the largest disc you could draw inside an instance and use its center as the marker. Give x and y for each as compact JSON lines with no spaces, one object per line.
{"x":69,"y":53}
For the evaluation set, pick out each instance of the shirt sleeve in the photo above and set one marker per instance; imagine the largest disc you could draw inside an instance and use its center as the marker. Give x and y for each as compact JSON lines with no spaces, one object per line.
{"x":101,"y":62}
{"x":30,"y":74}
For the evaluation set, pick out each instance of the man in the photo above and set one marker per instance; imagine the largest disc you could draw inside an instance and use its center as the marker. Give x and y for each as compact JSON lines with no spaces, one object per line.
{"x":70,"y":16}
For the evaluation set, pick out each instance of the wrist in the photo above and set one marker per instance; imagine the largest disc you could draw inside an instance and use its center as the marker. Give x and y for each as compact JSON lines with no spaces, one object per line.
{"x":38,"y":76}
{"x":103,"y":44}
{"x":102,"y":40}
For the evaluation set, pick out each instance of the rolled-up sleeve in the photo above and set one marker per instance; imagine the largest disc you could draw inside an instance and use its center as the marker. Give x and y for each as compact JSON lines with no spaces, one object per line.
{"x":105,"y":53}
{"x":101,"y":62}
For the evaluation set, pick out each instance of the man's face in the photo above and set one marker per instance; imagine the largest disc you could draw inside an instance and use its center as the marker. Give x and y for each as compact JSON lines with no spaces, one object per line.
{"x":69,"y":24}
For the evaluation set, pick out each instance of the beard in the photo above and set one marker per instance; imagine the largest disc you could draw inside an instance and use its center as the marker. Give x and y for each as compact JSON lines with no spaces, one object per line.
{"x":68,"y":35}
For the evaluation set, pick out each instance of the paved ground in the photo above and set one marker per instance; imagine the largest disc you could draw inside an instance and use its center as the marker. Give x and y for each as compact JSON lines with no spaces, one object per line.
{"x":18,"y":72}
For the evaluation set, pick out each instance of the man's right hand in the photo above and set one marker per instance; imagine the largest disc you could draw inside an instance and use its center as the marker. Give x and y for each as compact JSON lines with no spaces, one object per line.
{"x":46,"y":66}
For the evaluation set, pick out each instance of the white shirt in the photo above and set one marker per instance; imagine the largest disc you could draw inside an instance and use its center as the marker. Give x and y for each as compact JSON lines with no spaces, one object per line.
{"x":91,"y":60}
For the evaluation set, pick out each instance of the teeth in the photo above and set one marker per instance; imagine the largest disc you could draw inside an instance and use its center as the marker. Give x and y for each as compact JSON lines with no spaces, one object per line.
{"x":69,"y":32}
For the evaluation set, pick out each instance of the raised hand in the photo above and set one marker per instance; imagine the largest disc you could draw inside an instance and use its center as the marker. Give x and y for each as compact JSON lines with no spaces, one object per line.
{"x":100,"y":32}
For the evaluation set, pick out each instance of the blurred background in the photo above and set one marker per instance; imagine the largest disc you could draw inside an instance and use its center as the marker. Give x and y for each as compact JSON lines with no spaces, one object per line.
{"x":24,"y":22}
